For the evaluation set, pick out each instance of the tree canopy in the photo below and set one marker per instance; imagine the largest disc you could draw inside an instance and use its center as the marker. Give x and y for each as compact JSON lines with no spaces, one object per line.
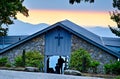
{"x":116,"y":4}
{"x":115,"y":16}
{"x":8,"y":12}
{"x":78,"y":1}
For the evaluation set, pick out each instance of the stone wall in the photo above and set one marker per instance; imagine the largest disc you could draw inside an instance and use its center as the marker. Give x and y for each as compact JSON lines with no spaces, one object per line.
{"x":96,"y":53}
{"x":37,"y":44}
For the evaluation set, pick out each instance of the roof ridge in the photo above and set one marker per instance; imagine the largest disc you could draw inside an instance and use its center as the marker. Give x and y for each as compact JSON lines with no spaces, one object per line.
{"x":102,"y":41}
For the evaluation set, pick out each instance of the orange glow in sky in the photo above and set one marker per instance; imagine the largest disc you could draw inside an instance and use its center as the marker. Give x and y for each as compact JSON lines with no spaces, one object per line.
{"x":82,"y":18}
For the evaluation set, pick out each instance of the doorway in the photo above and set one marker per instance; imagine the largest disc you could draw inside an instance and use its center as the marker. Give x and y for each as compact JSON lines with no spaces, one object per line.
{"x":53,"y":60}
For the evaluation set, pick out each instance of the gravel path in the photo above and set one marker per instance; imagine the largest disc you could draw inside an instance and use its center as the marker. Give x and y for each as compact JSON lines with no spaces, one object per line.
{"x":7,"y":74}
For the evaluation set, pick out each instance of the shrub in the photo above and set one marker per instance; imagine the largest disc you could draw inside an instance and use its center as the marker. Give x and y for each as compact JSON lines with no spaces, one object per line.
{"x":112,"y":68}
{"x":8,"y":64}
{"x":94,"y":65}
{"x":3,"y":61}
{"x":32,"y":58}
{"x":116,"y":67}
{"x":18,"y":61}
{"x":80,"y":60}
{"x":108,"y":68}
{"x":118,"y":77}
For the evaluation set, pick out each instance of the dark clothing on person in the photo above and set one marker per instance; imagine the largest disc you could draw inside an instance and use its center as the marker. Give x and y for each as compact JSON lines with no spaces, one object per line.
{"x":50,"y":70}
{"x":57,"y":69}
{"x":48,"y":65}
{"x":60,"y":63}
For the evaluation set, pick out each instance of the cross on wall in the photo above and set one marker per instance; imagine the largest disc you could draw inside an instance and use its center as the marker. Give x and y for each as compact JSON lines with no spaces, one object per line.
{"x":58,"y":38}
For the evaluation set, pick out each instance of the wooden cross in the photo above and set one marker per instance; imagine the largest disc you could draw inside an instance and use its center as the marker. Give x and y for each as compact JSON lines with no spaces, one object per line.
{"x":58,"y":37}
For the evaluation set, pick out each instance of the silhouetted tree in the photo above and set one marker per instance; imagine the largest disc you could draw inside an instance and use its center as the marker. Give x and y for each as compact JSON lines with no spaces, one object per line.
{"x":3,"y":31}
{"x":115,"y":16}
{"x":8,"y":12}
{"x":116,"y":4}
{"x":78,"y":1}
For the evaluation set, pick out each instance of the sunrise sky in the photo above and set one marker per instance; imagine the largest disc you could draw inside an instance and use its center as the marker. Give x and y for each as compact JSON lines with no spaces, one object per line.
{"x":83,"y":14}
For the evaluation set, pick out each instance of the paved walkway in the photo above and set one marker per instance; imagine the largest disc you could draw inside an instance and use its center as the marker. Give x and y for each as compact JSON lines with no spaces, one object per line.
{"x":7,"y":74}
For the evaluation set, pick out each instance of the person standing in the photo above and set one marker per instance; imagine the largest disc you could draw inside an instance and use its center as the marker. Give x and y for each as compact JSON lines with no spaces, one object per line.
{"x":48,"y":65}
{"x":60,"y":63}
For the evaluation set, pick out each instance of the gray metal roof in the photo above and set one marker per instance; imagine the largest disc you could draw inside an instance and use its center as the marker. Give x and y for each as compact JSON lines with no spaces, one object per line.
{"x":5,"y":41}
{"x":10,"y":39}
{"x":111,"y":41}
{"x":107,"y":44}
{"x":82,"y":31}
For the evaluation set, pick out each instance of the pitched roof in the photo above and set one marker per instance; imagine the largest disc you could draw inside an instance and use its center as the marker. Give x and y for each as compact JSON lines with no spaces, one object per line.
{"x":106,"y":44}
